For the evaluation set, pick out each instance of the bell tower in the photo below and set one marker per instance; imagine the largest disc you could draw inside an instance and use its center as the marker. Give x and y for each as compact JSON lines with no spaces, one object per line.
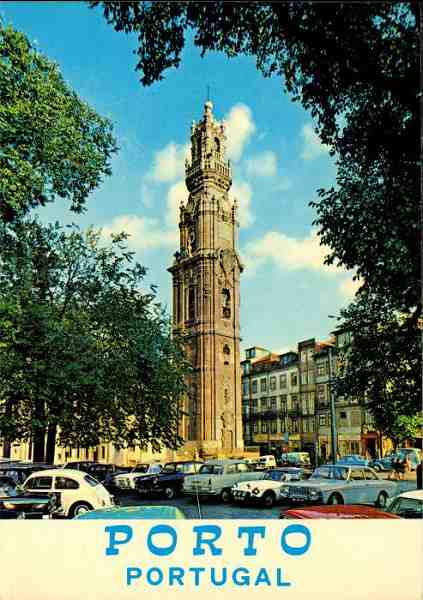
{"x":206,"y":273}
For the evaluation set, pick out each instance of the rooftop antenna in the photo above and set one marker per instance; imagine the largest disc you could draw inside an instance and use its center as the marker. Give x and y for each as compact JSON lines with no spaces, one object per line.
{"x":208,"y":93}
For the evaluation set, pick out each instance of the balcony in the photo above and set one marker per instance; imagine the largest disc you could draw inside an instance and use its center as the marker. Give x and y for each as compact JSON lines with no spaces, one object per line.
{"x":294,"y":412}
{"x":268,"y":414}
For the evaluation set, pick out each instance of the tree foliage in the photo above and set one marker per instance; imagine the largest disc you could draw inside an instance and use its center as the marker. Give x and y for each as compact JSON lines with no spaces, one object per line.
{"x":52,"y":144}
{"x":355,"y":67}
{"x":81,"y":348}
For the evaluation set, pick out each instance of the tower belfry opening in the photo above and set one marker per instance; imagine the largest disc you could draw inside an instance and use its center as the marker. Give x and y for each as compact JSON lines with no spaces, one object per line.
{"x":206,"y":274}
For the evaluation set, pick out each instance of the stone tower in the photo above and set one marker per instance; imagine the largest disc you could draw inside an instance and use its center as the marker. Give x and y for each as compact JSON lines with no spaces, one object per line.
{"x":206,"y":273}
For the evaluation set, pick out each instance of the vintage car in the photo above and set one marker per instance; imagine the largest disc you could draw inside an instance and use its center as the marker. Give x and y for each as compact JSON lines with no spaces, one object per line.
{"x":217,"y":477}
{"x":266,"y":490}
{"x":124,"y":513}
{"x":76,"y":491}
{"x":383,"y":464}
{"x":408,"y":505}
{"x":16,"y":504}
{"x":294,"y":459}
{"x":340,"y":484}
{"x":267,"y":461}
{"x":169,"y":481}
{"x":20,"y":471}
{"x":99,"y":471}
{"x":126,"y":481}
{"x":341,"y":511}
{"x":353,"y":460}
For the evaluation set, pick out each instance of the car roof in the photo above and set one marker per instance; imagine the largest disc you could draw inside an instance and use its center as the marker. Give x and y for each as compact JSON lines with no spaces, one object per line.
{"x":59,"y":473}
{"x":134,"y":512}
{"x":224,"y":461}
{"x":414,"y":494}
{"x":339,"y":511}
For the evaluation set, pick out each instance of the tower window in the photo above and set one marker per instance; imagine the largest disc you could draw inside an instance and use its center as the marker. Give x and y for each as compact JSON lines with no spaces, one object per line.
{"x":217,"y":145}
{"x":226,"y":303}
{"x":191,"y":304}
{"x":226,"y":349}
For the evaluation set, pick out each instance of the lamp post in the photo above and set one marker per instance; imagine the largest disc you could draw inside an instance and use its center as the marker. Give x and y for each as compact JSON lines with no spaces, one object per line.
{"x":333,"y":433}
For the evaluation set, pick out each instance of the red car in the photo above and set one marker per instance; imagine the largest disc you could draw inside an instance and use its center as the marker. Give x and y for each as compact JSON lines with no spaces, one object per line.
{"x":337,"y":511}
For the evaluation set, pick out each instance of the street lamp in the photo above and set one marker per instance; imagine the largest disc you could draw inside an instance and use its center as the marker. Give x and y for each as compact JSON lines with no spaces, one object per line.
{"x":334,"y":448}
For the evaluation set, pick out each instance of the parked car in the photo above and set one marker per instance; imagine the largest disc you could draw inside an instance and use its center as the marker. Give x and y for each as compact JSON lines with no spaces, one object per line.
{"x":126,"y":481}
{"x":97,"y":470}
{"x":294,"y":459}
{"x":16,"y":504}
{"x":169,"y":481}
{"x":408,"y":505}
{"x":266,"y":490}
{"x":216,"y":478}
{"x":346,"y":511}
{"x":383,"y":464}
{"x":414,"y":455}
{"x":20,"y":471}
{"x":124,"y":513}
{"x":338,"y":484}
{"x":76,"y":491}
{"x":266,"y":462}
{"x":353,"y":459}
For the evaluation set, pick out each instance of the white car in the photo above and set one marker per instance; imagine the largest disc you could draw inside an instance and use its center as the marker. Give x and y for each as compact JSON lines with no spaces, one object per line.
{"x":266,"y":462}
{"x":216,"y":478}
{"x":408,"y":505}
{"x":266,"y":490}
{"x":126,"y":481}
{"x":76,"y":491}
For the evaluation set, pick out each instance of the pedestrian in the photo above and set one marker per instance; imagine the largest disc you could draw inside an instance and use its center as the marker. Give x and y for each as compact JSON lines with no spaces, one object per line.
{"x":419,"y":476}
{"x":396,"y":463}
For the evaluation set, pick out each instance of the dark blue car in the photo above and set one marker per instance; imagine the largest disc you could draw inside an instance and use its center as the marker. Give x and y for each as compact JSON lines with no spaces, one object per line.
{"x":169,"y":481}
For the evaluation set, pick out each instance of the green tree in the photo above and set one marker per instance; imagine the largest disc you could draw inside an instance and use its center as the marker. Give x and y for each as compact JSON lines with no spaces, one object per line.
{"x":84,"y":354}
{"x":355,"y":66}
{"x":52,"y":144}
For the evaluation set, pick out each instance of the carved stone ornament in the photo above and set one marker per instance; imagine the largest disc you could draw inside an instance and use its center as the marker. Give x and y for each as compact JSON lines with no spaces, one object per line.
{"x":227,"y":260}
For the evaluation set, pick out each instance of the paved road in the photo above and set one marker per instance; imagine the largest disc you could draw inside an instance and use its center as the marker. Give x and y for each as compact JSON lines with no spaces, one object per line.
{"x":213,"y":509}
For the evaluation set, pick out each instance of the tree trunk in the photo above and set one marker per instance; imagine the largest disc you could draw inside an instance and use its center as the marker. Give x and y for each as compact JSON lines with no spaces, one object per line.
{"x":51,"y":443}
{"x":39,"y":431}
{"x":7,"y":449}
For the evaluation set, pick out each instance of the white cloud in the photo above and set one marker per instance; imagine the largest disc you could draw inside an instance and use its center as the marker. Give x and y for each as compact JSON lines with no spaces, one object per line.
{"x":177,"y":193}
{"x":241,"y":190}
{"x":313,"y":147}
{"x":144,"y":233}
{"x":288,"y":253}
{"x":262,"y":165}
{"x":284,"y":184}
{"x":169,"y":163}
{"x":239,"y":128}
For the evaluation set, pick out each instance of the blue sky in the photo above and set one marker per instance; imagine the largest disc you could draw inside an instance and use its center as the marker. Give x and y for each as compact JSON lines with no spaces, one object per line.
{"x":278,"y":164}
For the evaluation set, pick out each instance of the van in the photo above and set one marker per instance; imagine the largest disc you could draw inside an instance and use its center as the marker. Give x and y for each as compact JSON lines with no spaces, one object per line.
{"x":266,"y":462}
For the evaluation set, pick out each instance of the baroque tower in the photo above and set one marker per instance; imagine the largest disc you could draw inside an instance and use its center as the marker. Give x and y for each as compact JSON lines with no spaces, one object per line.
{"x":206,"y":273}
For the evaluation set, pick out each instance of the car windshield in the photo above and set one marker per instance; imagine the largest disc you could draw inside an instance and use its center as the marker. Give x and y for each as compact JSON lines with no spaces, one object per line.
{"x":275,"y":475}
{"x":91,"y":481}
{"x":211,"y":470}
{"x":330,"y":473}
{"x":140,"y":469}
{"x":407,"y":507}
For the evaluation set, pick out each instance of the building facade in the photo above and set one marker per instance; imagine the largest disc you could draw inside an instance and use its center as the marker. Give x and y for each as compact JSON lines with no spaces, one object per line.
{"x":206,"y":273}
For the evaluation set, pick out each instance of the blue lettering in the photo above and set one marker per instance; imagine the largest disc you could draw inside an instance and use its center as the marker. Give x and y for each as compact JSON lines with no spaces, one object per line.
{"x":262,"y":577}
{"x":251,"y":532}
{"x":279,"y":579}
{"x":243,"y":578}
{"x":176,"y":574}
{"x":113,"y":531}
{"x":296,"y":550}
{"x":223,"y":576}
{"x":197,"y":571}
{"x":215,"y":532}
{"x":132,"y":573}
{"x":160,"y":529}
{"x":158,"y":576}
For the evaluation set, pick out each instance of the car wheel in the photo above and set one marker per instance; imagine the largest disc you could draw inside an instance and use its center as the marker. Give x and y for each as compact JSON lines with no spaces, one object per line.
{"x":169,"y":493}
{"x":226,"y":496}
{"x":79,"y":509}
{"x":269,"y":499}
{"x":335,"y":499}
{"x":381,"y":500}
